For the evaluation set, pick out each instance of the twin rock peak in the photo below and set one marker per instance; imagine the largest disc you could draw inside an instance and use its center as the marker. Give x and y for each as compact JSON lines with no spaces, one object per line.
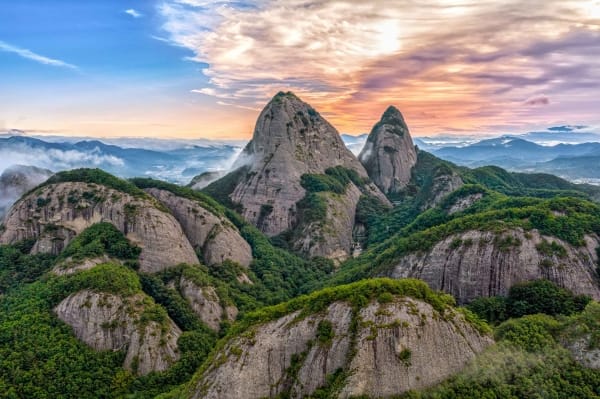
{"x":291,"y":139}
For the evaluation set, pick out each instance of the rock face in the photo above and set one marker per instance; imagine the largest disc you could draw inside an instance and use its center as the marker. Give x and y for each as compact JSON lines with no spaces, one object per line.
{"x":204,"y":179}
{"x":56,"y":213}
{"x":290,"y":139}
{"x":389,"y":153}
{"x":110,"y":322}
{"x":397,"y":346}
{"x":68,"y":266}
{"x":16,"y":180}
{"x":330,"y":237}
{"x":206,"y":304}
{"x":580,"y":349}
{"x":464,"y":203}
{"x":216,"y":238}
{"x":481,"y":264}
{"x":442,"y":185}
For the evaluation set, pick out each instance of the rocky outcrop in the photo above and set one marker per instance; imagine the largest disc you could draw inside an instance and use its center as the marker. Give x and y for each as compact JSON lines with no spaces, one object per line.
{"x":330,"y":237}
{"x":411,"y":348}
{"x":394,"y":347}
{"x":442,"y":185}
{"x":464,"y":203}
{"x":16,"y":180}
{"x":580,"y":336}
{"x":56,"y":213}
{"x":584,"y":353}
{"x":290,"y":139}
{"x":389,"y":153}
{"x":204,"y":179}
{"x":214,"y":236}
{"x":206,"y":304}
{"x":69,"y":266}
{"x":482,"y":263}
{"x":111,"y":322}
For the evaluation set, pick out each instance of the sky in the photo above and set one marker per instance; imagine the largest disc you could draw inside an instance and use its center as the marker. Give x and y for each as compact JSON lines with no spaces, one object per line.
{"x":205,"y":68}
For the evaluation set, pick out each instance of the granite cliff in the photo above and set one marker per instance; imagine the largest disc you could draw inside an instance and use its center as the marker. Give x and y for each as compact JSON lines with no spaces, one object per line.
{"x":389,"y":153}
{"x":477,"y":263}
{"x":55,"y":213}
{"x":376,"y":348}
{"x":290,"y":140}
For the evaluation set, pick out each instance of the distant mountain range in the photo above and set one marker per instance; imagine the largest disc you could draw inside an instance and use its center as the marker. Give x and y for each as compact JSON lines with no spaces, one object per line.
{"x":572,"y":161}
{"x":566,"y":151}
{"x":178,"y":163}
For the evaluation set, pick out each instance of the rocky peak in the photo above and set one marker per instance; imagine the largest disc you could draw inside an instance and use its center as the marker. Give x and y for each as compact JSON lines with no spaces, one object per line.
{"x":379,"y":348}
{"x":392,"y":116}
{"x":290,"y":139}
{"x":55,"y":213}
{"x":389,"y":153}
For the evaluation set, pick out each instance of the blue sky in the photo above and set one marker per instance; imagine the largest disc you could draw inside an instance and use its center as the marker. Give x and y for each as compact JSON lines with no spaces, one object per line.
{"x":97,"y":36}
{"x":104,"y":65}
{"x":205,"y":68}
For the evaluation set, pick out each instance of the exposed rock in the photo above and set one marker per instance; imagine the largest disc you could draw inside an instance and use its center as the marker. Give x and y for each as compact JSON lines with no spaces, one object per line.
{"x":389,"y":153}
{"x":412,"y":348}
{"x":330,"y":237}
{"x":482,"y":263}
{"x":442,"y":185}
{"x":204,"y":179}
{"x":581,"y":337}
{"x":68,"y":266}
{"x":397,"y":346}
{"x":110,"y":322}
{"x":583,"y":354}
{"x":216,"y":238}
{"x":464,"y":203}
{"x":16,"y":180}
{"x":243,"y":278}
{"x":206,"y":304}
{"x":290,"y":139}
{"x":54,"y":214}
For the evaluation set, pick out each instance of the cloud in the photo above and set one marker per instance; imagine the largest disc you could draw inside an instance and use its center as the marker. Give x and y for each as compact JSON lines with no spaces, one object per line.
{"x":33,"y":56}
{"x":470,"y":63}
{"x":539,"y":100}
{"x":55,"y":159}
{"x":566,"y":128}
{"x":133,"y":13}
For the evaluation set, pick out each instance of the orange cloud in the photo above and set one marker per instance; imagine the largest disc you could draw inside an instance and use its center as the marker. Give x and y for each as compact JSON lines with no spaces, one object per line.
{"x":448,"y":64}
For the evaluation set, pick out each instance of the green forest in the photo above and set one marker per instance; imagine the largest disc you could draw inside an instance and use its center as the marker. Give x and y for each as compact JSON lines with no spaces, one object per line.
{"x":40,"y":357}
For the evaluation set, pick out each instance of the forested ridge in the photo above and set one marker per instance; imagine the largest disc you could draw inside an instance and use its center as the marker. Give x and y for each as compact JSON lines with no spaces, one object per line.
{"x":41,"y":358}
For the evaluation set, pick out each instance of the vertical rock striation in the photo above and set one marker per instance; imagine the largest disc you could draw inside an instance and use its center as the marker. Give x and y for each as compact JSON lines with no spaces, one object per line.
{"x":389,"y":153}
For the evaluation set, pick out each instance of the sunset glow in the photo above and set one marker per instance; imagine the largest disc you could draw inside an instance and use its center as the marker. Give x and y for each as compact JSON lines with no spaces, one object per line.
{"x":204,"y":68}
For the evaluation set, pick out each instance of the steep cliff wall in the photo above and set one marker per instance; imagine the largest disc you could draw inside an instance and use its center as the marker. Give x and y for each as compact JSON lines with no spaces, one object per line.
{"x":111,"y":322}
{"x":216,"y":238}
{"x":54,"y":214}
{"x":383,"y":348}
{"x":482,"y":263}
{"x":389,"y":153}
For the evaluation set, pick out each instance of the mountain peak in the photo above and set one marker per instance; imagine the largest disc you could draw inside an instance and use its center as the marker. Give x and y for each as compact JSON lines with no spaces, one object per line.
{"x":291,"y":139}
{"x":389,"y":153}
{"x":282,"y":95}
{"x":392,"y":113}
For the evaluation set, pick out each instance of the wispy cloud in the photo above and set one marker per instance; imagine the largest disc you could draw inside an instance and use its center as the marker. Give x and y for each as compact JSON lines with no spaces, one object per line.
{"x":447,"y":63}
{"x":33,"y":56}
{"x":133,"y":13}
